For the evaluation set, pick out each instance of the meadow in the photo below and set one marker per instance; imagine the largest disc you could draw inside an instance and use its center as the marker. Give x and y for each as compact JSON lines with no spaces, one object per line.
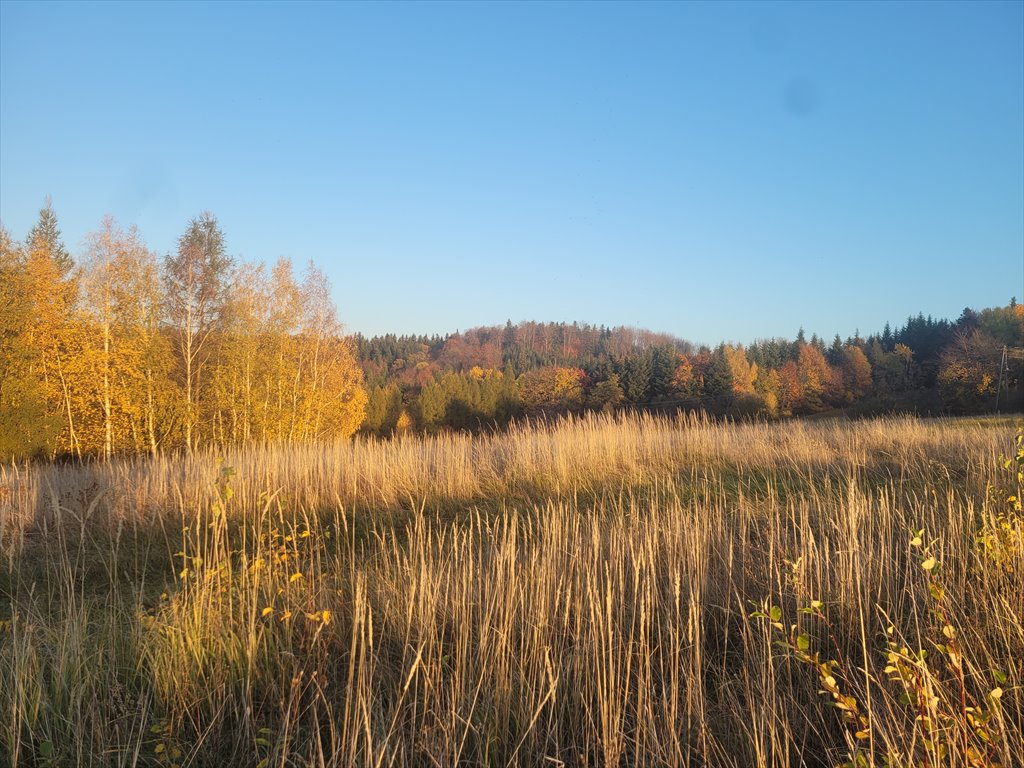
{"x":603,"y":591}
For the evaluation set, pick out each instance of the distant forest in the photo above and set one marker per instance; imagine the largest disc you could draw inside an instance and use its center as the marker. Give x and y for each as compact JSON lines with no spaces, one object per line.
{"x":124,"y":352}
{"x":488,"y":376}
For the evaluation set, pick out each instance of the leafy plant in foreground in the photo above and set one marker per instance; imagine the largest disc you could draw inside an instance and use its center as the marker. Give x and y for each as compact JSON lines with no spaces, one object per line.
{"x":952,"y":725}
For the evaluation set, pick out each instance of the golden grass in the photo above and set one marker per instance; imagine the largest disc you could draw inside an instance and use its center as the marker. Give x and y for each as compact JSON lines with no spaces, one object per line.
{"x":573,"y":593}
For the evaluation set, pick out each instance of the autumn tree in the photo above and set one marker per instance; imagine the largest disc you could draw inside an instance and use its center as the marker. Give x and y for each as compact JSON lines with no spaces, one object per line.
{"x":855,"y":372}
{"x":117,"y":296}
{"x":340,"y":399}
{"x":768,"y":387}
{"x":196,"y":279}
{"x":552,"y":388}
{"x":791,"y":389}
{"x":283,"y":370}
{"x":1004,"y":324}
{"x":333,"y":397}
{"x":26,"y":426}
{"x":683,"y":382}
{"x":50,"y":287}
{"x":815,"y":376}
{"x":281,"y":366}
{"x":160,"y":397}
{"x":969,"y":371}
{"x":241,"y":359}
{"x":744,"y":373}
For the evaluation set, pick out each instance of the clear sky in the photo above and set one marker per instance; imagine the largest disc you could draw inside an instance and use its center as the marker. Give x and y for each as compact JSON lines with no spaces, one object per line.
{"x":717,"y":171}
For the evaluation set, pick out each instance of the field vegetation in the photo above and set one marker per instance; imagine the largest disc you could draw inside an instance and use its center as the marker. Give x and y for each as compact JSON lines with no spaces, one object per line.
{"x":601,"y":591}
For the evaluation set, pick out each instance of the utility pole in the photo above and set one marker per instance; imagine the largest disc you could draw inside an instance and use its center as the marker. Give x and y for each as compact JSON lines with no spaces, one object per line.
{"x":1016,"y":354}
{"x":1004,"y":371}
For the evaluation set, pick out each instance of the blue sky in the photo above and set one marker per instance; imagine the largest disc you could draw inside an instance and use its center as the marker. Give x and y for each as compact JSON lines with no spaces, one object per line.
{"x":718,"y":171}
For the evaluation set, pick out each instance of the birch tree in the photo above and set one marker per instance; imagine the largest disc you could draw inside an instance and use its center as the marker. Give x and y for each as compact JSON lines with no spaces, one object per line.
{"x":117,"y":308}
{"x":196,"y":280}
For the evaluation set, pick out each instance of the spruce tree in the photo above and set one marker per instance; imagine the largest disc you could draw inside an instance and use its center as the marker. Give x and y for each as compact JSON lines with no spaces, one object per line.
{"x":46,"y":231}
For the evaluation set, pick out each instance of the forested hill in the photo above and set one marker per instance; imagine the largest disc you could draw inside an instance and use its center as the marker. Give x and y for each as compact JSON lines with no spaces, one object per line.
{"x":488,"y":375}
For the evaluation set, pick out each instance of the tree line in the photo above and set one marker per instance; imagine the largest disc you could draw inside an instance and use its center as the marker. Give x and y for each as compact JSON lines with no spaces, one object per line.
{"x":125,"y":352}
{"x":489,"y":376}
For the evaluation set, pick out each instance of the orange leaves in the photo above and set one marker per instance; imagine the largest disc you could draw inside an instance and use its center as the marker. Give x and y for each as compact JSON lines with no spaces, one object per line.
{"x":552,"y":387}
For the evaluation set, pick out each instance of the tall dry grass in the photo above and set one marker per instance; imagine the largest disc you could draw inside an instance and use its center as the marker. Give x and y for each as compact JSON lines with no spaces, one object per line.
{"x":574,"y":593}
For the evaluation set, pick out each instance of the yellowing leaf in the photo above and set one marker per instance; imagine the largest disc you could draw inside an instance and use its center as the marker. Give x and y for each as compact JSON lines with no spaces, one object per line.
{"x":266,"y":611}
{"x":929,"y":563}
{"x":295,"y":577}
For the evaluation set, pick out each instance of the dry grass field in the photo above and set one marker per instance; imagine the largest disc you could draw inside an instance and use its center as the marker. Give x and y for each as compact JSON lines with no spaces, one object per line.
{"x":627,"y":591}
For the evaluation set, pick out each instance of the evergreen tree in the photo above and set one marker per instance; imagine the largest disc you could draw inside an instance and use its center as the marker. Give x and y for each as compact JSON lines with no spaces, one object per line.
{"x":663,"y":367}
{"x":46,"y":233}
{"x":606,"y":395}
{"x":835,"y":352}
{"x":887,"y":340}
{"x":635,"y":377}
{"x":718,"y":375}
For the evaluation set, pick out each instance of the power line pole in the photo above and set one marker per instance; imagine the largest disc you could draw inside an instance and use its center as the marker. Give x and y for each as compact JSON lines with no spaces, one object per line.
{"x":1006,"y":374}
{"x":1004,"y":370}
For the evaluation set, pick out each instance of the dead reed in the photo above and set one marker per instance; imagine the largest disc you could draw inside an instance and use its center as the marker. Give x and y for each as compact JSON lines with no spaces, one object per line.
{"x":583,"y":592}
